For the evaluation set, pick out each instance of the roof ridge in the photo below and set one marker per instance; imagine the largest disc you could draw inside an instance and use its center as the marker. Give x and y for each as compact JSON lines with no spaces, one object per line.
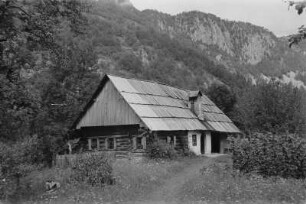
{"x":151,"y":81}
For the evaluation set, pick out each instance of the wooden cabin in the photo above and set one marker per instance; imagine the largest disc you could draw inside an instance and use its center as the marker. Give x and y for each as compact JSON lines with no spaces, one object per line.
{"x":124,"y":114}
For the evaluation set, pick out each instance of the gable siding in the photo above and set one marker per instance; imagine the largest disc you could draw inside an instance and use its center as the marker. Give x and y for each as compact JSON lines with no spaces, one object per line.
{"x":109,"y":109}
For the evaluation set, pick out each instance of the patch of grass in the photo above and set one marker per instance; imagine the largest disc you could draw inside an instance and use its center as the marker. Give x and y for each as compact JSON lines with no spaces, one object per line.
{"x":217,"y":183}
{"x":224,"y":159}
{"x":133,"y":181}
{"x":32,"y":187}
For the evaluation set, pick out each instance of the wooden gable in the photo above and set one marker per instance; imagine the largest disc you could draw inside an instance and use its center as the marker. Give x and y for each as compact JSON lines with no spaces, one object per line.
{"x":108,"y":109}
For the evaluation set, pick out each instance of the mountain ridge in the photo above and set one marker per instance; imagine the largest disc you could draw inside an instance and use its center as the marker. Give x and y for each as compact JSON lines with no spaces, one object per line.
{"x":240,"y":47}
{"x":245,"y":42}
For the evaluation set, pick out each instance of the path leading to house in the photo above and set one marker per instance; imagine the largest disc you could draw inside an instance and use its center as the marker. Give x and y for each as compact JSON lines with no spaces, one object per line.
{"x":169,"y":191}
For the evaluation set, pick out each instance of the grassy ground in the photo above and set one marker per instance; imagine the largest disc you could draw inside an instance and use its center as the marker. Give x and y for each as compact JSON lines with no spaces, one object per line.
{"x":187,"y":180}
{"x":134,"y":180}
{"x":219,"y":184}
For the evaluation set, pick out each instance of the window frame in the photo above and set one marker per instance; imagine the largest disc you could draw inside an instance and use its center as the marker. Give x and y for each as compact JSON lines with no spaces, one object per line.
{"x":90,"y":142}
{"x":107,"y":143}
{"x":138,"y":145}
{"x":171,"y":140}
{"x":194,"y":140}
{"x":143,"y":143}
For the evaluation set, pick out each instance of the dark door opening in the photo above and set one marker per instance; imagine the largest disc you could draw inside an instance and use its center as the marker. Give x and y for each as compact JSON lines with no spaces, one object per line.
{"x":202,"y":144}
{"x":215,"y":142}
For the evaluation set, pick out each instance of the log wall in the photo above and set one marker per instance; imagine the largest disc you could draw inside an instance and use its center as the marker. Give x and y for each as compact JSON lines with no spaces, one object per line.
{"x":122,"y":135}
{"x":181,"y":138}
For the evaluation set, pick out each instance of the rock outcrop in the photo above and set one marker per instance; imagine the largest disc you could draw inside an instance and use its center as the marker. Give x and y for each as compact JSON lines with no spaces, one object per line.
{"x":237,"y":45}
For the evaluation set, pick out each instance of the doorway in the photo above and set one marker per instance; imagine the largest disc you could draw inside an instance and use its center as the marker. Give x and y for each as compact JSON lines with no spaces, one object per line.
{"x":215,"y":142}
{"x":202,"y":144}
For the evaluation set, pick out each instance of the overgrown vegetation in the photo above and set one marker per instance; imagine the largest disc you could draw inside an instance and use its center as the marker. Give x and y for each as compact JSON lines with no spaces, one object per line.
{"x":134,"y":180}
{"x":16,"y":161}
{"x":93,"y":169}
{"x":271,"y":107}
{"x":270,"y":155}
{"x":160,"y":149}
{"x":219,"y":184}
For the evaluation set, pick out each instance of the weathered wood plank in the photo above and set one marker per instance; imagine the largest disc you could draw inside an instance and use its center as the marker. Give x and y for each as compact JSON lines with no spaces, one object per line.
{"x":110,"y":108}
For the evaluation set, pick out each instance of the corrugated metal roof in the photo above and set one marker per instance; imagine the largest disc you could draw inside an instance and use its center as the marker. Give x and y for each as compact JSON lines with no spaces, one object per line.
{"x":211,"y":109}
{"x":160,"y":107}
{"x":207,"y":101}
{"x":133,"y":98}
{"x":222,"y":126}
{"x":170,"y":124}
{"x":216,"y":117}
{"x":156,"y":111}
{"x":163,"y":107}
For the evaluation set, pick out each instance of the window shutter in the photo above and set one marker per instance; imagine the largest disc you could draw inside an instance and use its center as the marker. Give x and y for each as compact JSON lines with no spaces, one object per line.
{"x":98,"y":143}
{"x":168,"y":139}
{"x":174,"y":140}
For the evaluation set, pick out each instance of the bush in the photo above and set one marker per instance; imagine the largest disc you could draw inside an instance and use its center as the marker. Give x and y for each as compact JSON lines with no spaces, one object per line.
{"x":186,"y":152}
{"x":159,"y":149}
{"x":93,"y":169}
{"x":270,"y":155}
{"x":16,"y":162}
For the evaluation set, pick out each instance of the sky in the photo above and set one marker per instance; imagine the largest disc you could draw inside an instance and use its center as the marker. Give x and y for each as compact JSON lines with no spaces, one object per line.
{"x":271,"y":14}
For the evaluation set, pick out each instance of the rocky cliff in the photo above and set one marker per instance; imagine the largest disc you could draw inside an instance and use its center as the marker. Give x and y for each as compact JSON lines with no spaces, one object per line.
{"x":191,"y":48}
{"x":237,"y":45}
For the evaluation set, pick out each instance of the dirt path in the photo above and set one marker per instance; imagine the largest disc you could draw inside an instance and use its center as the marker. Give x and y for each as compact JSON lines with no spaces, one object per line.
{"x":169,"y":191}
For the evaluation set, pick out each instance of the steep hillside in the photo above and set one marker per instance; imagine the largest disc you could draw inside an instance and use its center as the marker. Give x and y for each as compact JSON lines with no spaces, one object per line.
{"x":193,"y":46}
{"x":237,"y":45}
{"x":126,"y":42}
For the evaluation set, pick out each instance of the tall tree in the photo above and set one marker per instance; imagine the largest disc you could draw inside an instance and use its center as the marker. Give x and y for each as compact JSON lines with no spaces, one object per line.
{"x":28,"y":41}
{"x":271,"y":107}
{"x":222,"y":96}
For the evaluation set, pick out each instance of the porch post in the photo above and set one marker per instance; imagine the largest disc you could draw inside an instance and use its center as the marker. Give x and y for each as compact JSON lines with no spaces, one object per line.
{"x":207,"y":142}
{"x":98,"y":143}
{"x":89,"y":144}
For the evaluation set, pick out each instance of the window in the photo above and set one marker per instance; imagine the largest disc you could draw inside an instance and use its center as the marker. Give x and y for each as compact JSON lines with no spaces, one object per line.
{"x":171,"y":140}
{"x":110,"y":143}
{"x":194,"y":140}
{"x":93,"y":143}
{"x":192,"y":105}
{"x":139,"y":143}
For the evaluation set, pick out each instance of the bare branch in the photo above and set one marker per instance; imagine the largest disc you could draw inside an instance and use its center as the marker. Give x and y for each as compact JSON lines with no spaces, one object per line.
{"x":299,"y":5}
{"x":20,"y":9}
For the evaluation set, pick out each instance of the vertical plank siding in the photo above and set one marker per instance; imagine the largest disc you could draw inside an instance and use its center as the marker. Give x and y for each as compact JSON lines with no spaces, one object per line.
{"x":109,"y":109}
